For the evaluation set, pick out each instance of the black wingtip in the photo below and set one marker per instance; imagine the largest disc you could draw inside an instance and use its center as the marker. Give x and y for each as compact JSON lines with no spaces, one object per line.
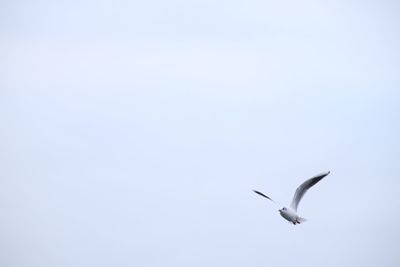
{"x":261,"y":194}
{"x":322,"y":175}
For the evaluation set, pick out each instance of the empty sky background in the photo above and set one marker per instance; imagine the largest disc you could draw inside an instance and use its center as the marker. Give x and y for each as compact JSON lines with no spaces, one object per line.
{"x":132,"y":132}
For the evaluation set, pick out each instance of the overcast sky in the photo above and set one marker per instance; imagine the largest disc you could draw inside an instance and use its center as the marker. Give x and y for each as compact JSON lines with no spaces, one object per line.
{"x":132,"y":132}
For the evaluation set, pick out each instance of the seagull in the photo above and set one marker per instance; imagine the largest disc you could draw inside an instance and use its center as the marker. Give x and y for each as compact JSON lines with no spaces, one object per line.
{"x":290,"y":214}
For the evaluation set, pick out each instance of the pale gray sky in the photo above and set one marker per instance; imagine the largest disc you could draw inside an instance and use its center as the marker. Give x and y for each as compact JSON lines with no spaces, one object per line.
{"x":132,"y":133}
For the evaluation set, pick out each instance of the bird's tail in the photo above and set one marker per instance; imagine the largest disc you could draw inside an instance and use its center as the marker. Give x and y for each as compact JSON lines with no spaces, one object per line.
{"x":301,"y":220}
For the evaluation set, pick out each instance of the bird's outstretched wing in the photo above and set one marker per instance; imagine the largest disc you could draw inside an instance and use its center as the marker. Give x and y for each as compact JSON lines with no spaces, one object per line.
{"x":261,"y":194}
{"x":302,"y":189}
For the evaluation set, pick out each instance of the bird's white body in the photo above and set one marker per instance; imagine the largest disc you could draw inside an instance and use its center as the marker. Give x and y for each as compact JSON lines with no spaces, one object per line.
{"x":291,"y":216}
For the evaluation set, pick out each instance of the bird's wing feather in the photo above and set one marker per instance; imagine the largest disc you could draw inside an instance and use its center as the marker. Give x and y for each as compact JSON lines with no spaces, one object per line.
{"x":261,"y":194}
{"x":302,"y":189}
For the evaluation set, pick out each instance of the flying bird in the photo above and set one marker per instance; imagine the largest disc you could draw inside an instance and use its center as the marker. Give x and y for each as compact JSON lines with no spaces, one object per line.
{"x":290,"y":214}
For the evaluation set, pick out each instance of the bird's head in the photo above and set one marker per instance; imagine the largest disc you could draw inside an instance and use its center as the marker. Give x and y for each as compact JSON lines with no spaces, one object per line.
{"x":284,"y":209}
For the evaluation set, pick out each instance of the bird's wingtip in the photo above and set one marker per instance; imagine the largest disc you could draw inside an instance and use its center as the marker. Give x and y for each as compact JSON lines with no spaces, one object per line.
{"x":322,"y":174}
{"x":325,"y":173}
